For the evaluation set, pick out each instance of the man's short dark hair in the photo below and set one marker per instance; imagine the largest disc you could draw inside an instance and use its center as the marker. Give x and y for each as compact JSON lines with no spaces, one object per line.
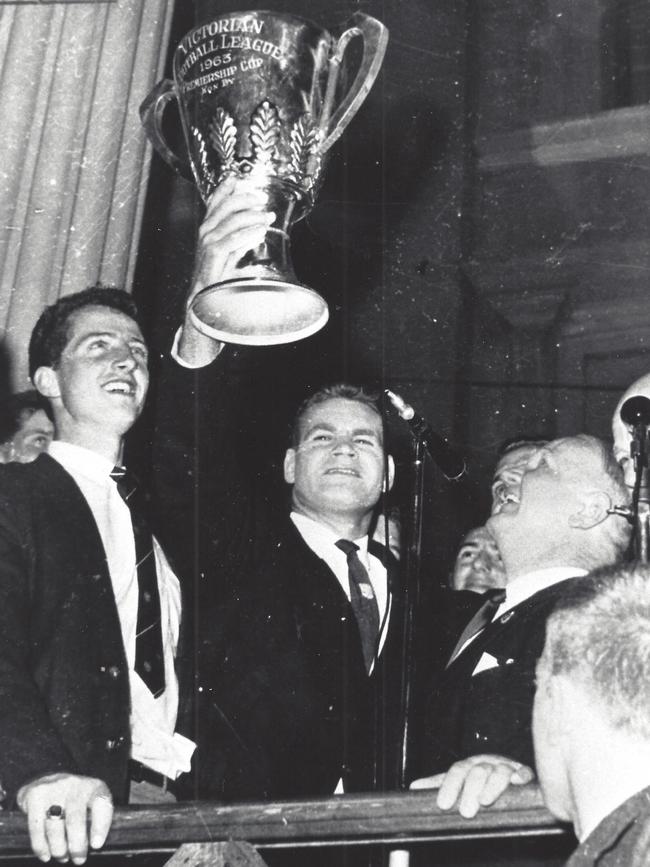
{"x":330,"y":392}
{"x":50,"y":335}
{"x":19,"y":407}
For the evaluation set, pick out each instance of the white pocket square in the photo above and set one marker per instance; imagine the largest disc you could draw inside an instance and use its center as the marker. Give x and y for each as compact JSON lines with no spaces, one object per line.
{"x":487,"y":661}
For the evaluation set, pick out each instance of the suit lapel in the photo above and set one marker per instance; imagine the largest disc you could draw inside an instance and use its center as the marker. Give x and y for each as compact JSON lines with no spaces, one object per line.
{"x":74,"y":543}
{"x":497,"y":638}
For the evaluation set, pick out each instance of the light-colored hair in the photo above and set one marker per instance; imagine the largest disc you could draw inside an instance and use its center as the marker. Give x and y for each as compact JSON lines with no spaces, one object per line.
{"x":599,"y":634}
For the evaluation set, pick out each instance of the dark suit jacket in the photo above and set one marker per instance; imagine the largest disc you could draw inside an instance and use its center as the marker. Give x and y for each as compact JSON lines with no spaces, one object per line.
{"x":282,"y":706}
{"x":622,"y":839}
{"x":64,"y":692}
{"x":490,"y":712}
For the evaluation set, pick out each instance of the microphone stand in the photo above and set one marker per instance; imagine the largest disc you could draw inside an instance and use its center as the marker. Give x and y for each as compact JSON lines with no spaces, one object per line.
{"x":640,"y":507}
{"x":413,"y":563}
{"x":453,"y":467}
{"x":642,"y":532}
{"x":635,"y":413}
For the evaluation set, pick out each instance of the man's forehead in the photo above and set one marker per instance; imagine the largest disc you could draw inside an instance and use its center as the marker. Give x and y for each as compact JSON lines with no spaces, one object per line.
{"x":38,"y":420}
{"x":470,"y":544}
{"x":341,"y":411}
{"x":515,"y":459}
{"x":478,"y":536}
{"x":97,"y":317}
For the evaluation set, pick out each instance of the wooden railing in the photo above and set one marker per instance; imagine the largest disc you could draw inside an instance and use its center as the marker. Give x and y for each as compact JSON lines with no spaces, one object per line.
{"x":206,"y":831}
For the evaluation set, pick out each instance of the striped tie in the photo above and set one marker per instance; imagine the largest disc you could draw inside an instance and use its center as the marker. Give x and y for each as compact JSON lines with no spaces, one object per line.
{"x":363,"y":601}
{"x":482,"y":618}
{"x":149,"y":662}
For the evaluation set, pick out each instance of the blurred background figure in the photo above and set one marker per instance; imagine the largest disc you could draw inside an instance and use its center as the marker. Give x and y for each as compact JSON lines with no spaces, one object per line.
{"x":591,"y":719}
{"x":478,"y":565}
{"x":512,"y":461}
{"x":26,"y":427}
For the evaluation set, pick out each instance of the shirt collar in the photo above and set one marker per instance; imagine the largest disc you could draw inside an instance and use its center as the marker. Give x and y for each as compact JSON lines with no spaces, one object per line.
{"x":77,"y":459}
{"x":525,"y":586}
{"x":321,"y":539}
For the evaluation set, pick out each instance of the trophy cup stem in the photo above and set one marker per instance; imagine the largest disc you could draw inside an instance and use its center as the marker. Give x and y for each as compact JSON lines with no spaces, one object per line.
{"x":262,"y":303}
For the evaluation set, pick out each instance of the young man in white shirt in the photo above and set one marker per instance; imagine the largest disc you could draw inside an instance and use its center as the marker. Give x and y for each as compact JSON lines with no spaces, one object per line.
{"x":87,"y":708}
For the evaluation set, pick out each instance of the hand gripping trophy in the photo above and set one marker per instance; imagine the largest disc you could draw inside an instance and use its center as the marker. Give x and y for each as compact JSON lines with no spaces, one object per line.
{"x":262,"y":97}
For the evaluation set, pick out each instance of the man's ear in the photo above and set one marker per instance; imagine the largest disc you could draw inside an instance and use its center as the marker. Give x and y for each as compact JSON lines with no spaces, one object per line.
{"x":593,"y":510}
{"x":290,"y":466}
{"x":388,"y":482}
{"x":46,"y":381}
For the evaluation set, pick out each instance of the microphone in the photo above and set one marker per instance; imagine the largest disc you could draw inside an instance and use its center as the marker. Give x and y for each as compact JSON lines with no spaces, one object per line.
{"x":451,"y":464}
{"x":635,"y":413}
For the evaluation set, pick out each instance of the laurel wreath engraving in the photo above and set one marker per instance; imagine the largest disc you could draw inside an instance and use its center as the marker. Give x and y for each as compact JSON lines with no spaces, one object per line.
{"x":223,"y":136}
{"x":301,"y":165}
{"x":206,"y":172}
{"x":305,"y":160}
{"x":265,"y":132}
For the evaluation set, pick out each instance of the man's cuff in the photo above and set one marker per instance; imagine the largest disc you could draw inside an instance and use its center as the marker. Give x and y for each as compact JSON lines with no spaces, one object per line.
{"x":187,"y":364}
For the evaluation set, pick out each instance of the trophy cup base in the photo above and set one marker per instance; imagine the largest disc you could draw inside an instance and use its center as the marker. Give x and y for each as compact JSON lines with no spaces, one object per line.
{"x":258,"y":312}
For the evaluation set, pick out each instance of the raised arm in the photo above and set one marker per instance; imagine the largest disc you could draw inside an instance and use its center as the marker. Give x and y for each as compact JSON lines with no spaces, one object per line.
{"x":234,"y":223}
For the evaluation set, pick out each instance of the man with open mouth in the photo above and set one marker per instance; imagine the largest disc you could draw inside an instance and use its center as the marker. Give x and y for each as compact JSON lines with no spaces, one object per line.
{"x":89,"y":606}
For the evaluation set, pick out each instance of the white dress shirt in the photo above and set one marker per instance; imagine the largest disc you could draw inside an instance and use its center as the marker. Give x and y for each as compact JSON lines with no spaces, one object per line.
{"x":322,"y":541}
{"x":153,"y":720}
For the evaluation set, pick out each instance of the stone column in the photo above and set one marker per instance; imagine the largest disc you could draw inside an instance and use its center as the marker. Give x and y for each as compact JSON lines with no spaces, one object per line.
{"x":75,"y":161}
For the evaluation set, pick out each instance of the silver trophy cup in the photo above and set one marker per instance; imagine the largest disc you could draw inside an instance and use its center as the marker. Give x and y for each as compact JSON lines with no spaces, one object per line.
{"x":262,"y":97}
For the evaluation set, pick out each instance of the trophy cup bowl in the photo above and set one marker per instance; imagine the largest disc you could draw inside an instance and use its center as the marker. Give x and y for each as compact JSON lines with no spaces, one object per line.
{"x":262,"y":96}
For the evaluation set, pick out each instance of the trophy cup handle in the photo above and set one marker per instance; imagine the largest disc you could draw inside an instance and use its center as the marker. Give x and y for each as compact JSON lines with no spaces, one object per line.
{"x":375,"y":39}
{"x":151,"y":112}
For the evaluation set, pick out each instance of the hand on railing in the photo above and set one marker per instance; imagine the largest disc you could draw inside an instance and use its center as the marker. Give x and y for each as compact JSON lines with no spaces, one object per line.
{"x":58,"y":807}
{"x":475,"y":782}
{"x":395,"y":817}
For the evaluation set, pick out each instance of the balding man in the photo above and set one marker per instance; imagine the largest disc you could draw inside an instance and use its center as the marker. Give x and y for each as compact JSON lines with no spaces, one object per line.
{"x":558,"y":528}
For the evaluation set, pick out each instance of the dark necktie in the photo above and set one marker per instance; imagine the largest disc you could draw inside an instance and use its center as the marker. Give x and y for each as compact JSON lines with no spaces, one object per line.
{"x":480,"y":620}
{"x":149,"y":662}
{"x":363,"y":601}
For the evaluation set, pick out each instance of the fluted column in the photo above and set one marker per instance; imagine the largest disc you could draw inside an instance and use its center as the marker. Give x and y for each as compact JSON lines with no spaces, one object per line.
{"x":75,"y":161}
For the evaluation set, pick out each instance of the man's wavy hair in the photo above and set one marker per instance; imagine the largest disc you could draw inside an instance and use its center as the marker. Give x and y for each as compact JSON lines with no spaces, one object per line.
{"x":599,"y":634}
{"x":329,"y":392}
{"x":51,"y":332}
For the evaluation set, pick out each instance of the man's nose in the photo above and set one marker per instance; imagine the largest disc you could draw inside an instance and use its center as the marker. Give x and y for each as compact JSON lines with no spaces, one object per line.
{"x":124,"y":358}
{"x":479,"y":562}
{"x":344,"y":445}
